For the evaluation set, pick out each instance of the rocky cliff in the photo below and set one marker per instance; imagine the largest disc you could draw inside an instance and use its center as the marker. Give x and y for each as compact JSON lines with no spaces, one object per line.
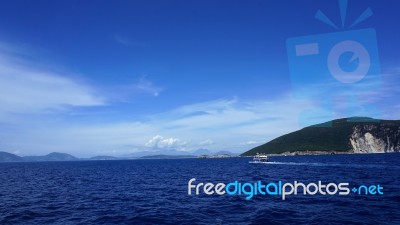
{"x":375,"y":138}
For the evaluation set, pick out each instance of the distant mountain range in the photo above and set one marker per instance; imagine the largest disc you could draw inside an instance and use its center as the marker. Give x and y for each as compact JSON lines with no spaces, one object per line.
{"x":8,"y":157}
{"x":347,"y":135}
{"x":173,"y":152}
{"x":157,"y":154}
{"x":54,"y":156}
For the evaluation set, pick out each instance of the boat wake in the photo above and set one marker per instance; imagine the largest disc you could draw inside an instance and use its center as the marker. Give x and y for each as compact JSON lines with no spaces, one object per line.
{"x":303,"y":164}
{"x":322,"y":164}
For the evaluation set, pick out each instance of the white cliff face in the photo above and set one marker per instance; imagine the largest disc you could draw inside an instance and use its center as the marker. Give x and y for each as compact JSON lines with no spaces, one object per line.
{"x":368,"y":144}
{"x":363,"y":141}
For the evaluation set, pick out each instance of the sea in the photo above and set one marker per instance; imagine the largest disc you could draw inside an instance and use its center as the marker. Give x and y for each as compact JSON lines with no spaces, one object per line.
{"x":156,"y":191}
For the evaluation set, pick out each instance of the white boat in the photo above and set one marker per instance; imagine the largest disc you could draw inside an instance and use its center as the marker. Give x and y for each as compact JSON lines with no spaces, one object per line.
{"x":259,"y":158}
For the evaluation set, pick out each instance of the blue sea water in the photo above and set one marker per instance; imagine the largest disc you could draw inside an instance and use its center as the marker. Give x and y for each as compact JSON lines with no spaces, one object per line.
{"x":155,"y":191}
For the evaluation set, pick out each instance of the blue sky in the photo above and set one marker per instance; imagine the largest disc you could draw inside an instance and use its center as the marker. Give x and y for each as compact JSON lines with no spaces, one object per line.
{"x":112,"y":78}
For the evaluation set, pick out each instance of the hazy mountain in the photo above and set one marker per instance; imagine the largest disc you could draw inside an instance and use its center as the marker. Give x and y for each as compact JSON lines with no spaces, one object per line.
{"x":173,"y":152}
{"x":8,"y":157}
{"x":354,"y":135}
{"x":224,"y":153}
{"x":54,"y":156}
{"x":156,"y":152}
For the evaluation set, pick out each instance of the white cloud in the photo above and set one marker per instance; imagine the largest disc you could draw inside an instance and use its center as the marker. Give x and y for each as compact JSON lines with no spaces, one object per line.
{"x":229,"y":123}
{"x":231,"y":115}
{"x":219,"y":124}
{"x":164,"y":143}
{"x":27,"y":88}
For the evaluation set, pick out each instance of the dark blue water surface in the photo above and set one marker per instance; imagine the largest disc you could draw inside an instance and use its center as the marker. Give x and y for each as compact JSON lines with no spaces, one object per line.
{"x":155,"y":191}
